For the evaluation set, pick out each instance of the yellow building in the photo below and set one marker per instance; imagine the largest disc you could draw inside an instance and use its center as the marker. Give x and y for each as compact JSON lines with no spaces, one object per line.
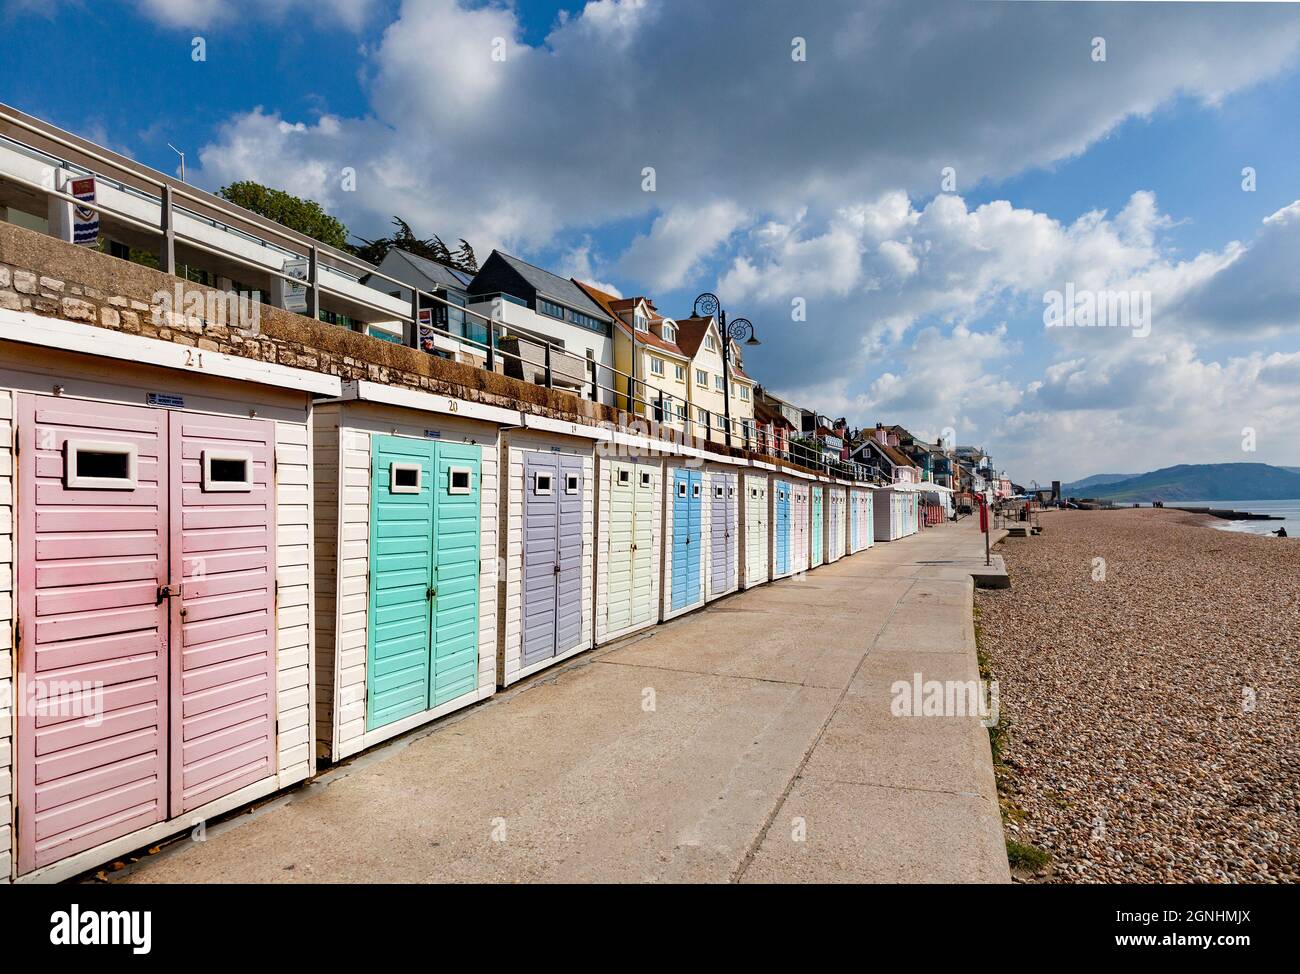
{"x":699,"y":338}
{"x":645,"y":346}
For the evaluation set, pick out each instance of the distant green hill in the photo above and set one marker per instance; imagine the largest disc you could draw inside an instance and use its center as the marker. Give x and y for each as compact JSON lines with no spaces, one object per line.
{"x":1096,"y":480}
{"x":1202,"y":482}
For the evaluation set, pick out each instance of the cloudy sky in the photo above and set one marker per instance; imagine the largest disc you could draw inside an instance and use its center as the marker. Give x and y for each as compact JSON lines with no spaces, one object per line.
{"x":892,"y":190}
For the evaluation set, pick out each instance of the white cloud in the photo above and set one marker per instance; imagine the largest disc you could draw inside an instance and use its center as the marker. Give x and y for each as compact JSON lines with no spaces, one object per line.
{"x":555,"y":135}
{"x":670,"y":255}
{"x":206,"y":13}
{"x":804,"y":175}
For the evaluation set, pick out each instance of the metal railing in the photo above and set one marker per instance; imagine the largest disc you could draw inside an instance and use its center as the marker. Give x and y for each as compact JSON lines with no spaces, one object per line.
{"x":633,"y":397}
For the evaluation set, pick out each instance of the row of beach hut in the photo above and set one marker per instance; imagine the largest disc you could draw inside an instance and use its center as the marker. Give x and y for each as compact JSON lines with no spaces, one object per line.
{"x":224,"y":574}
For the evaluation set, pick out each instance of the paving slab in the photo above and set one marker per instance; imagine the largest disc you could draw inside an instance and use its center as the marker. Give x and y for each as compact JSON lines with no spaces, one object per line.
{"x":681,"y":754}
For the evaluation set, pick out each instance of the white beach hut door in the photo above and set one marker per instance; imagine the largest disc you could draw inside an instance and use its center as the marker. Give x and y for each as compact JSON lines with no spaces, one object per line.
{"x":643,"y":542}
{"x":618,"y":573}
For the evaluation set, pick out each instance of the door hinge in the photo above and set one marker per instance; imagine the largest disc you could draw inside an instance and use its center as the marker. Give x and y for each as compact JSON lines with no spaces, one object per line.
{"x":18,"y":632}
{"x":18,"y":441}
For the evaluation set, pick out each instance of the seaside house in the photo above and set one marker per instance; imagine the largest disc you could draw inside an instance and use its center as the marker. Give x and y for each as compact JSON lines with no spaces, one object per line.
{"x":648,"y":357}
{"x":879,"y":451}
{"x":213,"y":242}
{"x":536,"y":307}
{"x":441,"y":325}
{"x":700,"y":340}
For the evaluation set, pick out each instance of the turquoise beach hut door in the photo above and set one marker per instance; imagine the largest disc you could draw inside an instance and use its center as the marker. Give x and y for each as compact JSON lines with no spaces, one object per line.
{"x":422,"y":648}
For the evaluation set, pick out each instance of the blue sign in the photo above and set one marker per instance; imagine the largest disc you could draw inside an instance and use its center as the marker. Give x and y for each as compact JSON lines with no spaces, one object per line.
{"x":166,"y":400}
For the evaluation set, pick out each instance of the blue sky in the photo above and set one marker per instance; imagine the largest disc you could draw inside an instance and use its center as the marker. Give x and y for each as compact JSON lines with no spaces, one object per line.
{"x":781,"y":179}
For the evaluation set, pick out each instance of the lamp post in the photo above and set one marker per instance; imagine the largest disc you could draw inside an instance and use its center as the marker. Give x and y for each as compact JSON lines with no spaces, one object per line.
{"x":707,"y":305}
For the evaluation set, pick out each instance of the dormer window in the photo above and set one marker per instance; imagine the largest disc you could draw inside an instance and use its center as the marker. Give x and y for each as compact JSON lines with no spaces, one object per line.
{"x":640,"y":322}
{"x":669,"y":334}
{"x":710,"y":344}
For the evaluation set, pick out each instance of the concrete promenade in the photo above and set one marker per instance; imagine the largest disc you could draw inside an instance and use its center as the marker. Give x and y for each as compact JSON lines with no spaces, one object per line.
{"x":751,"y":741}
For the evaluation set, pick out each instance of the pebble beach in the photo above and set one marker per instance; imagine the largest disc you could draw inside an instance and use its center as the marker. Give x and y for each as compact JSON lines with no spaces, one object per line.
{"x":1149,"y":672}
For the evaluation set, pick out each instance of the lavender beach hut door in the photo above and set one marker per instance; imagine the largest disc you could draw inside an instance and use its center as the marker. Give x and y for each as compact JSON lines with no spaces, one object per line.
{"x":540,"y":556}
{"x":552,"y":556}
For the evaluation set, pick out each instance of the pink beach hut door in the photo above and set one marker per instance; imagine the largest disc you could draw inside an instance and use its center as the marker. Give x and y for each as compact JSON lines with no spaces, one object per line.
{"x":222,"y":607}
{"x":92,"y":656}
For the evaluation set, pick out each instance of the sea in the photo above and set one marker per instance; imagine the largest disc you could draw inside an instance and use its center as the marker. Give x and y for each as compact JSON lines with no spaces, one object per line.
{"x":1289,"y":510}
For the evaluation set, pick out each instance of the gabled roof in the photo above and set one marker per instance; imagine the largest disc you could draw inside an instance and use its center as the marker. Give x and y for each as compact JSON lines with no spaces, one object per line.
{"x":896,"y":457}
{"x":429,"y":274}
{"x":691,"y":332}
{"x":610,"y":305}
{"x":562,"y":289}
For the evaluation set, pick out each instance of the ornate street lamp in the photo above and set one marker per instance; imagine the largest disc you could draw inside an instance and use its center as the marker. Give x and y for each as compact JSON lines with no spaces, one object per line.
{"x":707,"y":305}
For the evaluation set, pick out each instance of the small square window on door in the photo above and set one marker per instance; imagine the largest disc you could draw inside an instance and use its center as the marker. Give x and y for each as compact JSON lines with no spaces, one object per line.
{"x":98,"y":465}
{"x":681,"y":490}
{"x":695,"y":490}
{"x":405,"y":478}
{"x":227,"y":470}
{"x":717,"y":491}
{"x":571,"y":483}
{"x":542,"y":483}
{"x":645,"y":479}
{"x":458,"y":480}
{"x":624,"y":478}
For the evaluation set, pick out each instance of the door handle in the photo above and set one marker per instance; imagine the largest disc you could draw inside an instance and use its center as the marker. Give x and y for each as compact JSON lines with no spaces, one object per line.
{"x":557,"y":569}
{"x":166,"y":592}
{"x":430,"y":592}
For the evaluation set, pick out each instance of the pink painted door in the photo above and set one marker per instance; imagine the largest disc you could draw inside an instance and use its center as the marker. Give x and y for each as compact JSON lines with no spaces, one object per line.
{"x":223,"y":610}
{"x":92,"y":658}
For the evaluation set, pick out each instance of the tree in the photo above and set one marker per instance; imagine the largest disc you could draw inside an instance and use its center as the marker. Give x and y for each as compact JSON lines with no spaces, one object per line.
{"x":305,"y":216}
{"x":431,"y":248}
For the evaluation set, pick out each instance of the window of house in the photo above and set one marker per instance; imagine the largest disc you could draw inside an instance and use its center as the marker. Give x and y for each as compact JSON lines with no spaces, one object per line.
{"x":701,"y":378}
{"x":550,"y":308}
{"x":743,"y":392}
{"x":679,"y":373}
{"x":702,"y":415}
{"x":586,"y":321}
{"x":640,"y":323}
{"x":669,"y":334}
{"x":656,"y":366}
{"x":717,"y":383}
{"x":710,"y":344}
